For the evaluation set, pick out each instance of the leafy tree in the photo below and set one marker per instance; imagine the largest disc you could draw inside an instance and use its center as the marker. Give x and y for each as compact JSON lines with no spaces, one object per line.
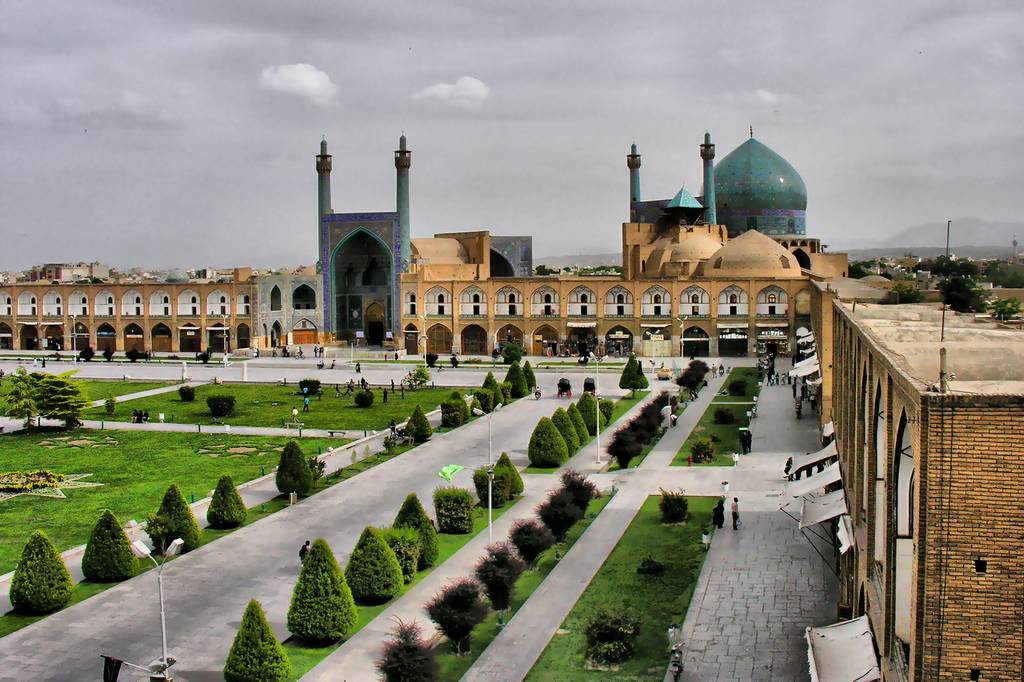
{"x":1005,"y":309}
{"x":559,"y":513}
{"x":515,"y":376}
{"x":515,"y":480}
{"x":226,"y":509}
{"x":293,"y":473}
{"x":454,"y":509}
{"x":21,"y":396}
{"x":108,"y":555}
{"x":905,"y":292}
{"x":405,"y":543}
{"x":322,"y":609}
{"x":110,"y":405}
{"x":702,"y":451}
{"x":457,"y":609}
{"x":624,"y":446}
{"x":578,"y":423}
{"x":565,"y":427}
{"x":579,"y":487}
{"x":418,"y":427}
{"x":632,"y":376}
{"x":587,"y":405}
{"x":256,"y":654}
{"x":531,"y":380}
{"x":420,"y":376}
{"x":547,"y":447}
{"x":498,"y":571}
{"x":176,"y":521}
{"x":511,"y":352}
{"x":373,"y":572}
{"x":41,"y":583}
{"x":860,"y":269}
{"x":531,"y":539}
{"x":57,"y":397}
{"x":407,"y":657}
{"x":962,"y":295}
{"x":412,"y":515}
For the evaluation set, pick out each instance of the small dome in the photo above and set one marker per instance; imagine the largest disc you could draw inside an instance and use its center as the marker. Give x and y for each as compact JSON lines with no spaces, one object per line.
{"x":697,"y":247}
{"x":756,"y":189}
{"x":875,"y":278}
{"x":440,"y":251}
{"x":177,"y":277}
{"x":752,"y":255}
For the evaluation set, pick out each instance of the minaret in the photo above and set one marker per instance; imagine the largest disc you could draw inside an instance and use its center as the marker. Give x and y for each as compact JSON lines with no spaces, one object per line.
{"x":323,"y":172}
{"x":403,"y":160}
{"x":707,"y":153}
{"x":633,"y":163}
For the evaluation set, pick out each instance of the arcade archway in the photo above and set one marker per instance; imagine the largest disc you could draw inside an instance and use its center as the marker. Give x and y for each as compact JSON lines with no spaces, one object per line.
{"x":361,"y":282}
{"x":619,"y":341}
{"x":545,"y":341}
{"x":696,"y":343}
{"x":439,"y":339}
{"x":474,"y":340}
{"x":161,"y":335}
{"x":509,"y":334}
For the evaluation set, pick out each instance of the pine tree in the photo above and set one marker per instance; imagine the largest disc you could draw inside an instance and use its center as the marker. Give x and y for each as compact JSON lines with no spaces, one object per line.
{"x":518,"y":380}
{"x":516,"y":486}
{"x":256,"y":654}
{"x":180,"y":522}
{"x":41,"y":583}
{"x":565,"y":427}
{"x":412,"y":515}
{"x":418,"y":426}
{"x":578,"y":423}
{"x":108,"y":556}
{"x":21,"y":397}
{"x":322,"y":608}
{"x":490,"y":383}
{"x":226,"y":510}
{"x":293,"y":472}
{"x":633,"y":376}
{"x":547,"y":447}
{"x":373,"y":572}
{"x":57,"y":397}
{"x":587,"y":406}
{"x":531,"y":380}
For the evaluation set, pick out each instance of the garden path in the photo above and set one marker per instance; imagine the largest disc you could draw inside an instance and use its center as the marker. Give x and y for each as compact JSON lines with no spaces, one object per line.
{"x":149,"y":392}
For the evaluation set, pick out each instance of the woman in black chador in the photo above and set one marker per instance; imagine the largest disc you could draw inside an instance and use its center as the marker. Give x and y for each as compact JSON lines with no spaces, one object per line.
{"x":718,"y":514}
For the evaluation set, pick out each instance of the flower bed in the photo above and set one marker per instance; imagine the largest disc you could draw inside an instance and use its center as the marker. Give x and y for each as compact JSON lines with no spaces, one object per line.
{"x":24,"y":481}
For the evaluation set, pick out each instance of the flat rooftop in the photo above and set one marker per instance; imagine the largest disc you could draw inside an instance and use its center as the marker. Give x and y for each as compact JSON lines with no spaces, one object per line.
{"x":985,"y":357}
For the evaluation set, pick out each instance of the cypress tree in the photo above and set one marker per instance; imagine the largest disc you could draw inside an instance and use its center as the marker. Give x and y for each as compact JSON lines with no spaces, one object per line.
{"x":322,"y":608}
{"x":531,"y":380}
{"x":587,"y":405}
{"x":108,"y":556}
{"x":256,"y":654}
{"x":405,"y":542}
{"x":293,"y":472}
{"x":515,"y":377}
{"x":41,"y":583}
{"x":633,"y":375}
{"x":226,"y":509}
{"x":373,"y":572}
{"x":516,"y":486}
{"x":578,"y":423}
{"x":490,"y":383}
{"x":418,"y":426}
{"x":547,"y":447}
{"x":181,"y":523}
{"x":412,"y":515}
{"x":565,"y":427}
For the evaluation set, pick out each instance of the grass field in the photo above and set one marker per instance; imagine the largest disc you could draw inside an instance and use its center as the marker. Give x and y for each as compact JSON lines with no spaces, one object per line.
{"x":656,"y":600}
{"x":134,"y":469}
{"x":748,"y":374}
{"x":727,"y":435}
{"x":271,"y":405}
{"x":94,"y":390}
{"x":454,"y":667}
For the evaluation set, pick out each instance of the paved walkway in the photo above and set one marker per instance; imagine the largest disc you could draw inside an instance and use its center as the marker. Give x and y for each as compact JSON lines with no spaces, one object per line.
{"x":160,"y":390}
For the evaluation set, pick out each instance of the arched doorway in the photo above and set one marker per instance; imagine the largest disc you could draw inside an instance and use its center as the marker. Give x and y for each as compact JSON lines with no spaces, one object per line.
{"x":6,"y":337}
{"x":275,"y":335}
{"x":29,"y":337}
{"x":361,"y":276}
{"x":304,"y":332}
{"x":375,"y":324}
{"x":582,"y":340}
{"x":545,"y":341}
{"x":656,"y":341}
{"x":732,"y":342}
{"x":696,"y":343}
{"x":189,"y":340}
{"x":439,"y":339}
{"x":903,"y":458}
{"x":161,"y":335}
{"x":509,"y":334}
{"x":242,"y":339}
{"x":412,"y":340}
{"x":500,"y":267}
{"x":619,"y":341}
{"x":303,"y":298}
{"x":474,"y":340}
{"x":80,"y":337}
{"x":218,"y":338}
{"x":106,"y":338}
{"x":53,"y":337}
{"x":134,"y":338}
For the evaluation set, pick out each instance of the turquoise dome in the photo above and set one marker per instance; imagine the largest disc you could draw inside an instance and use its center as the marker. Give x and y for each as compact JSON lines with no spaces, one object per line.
{"x":177,"y":277}
{"x":756,"y":189}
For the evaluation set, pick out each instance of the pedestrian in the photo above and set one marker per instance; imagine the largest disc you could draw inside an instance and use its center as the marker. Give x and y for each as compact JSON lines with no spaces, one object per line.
{"x":337,"y":391}
{"x":295,"y":414}
{"x":305,"y":404}
{"x":303,"y":551}
{"x":673,"y":418}
{"x":403,"y":391}
{"x":393,"y":427}
{"x":392,"y":385}
{"x":794,"y":390}
{"x":718,"y":514}
{"x":735,"y":513}
{"x":359,"y":368}
{"x":789,"y":467}
{"x":319,"y":392}
{"x":145,"y":417}
{"x":332,"y":363}
{"x":385,"y":399}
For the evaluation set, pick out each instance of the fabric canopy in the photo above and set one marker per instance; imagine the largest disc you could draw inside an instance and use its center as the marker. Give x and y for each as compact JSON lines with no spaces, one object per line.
{"x":828,"y":429}
{"x":582,"y":324}
{"x":815,"y":510}
{"x":828,"y":476}
{"x":805,"y":371}
{"x":844,"y":652}
{"x":804,"y":338}
{"x":809,"y":360}
{"x":845,"y":534}
{"x":801,"y":331}
{"x":801,"y":461}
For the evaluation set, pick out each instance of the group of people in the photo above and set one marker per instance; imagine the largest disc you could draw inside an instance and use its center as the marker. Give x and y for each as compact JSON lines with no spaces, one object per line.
{"x":140,"y":416}
{"x":718,"y":513}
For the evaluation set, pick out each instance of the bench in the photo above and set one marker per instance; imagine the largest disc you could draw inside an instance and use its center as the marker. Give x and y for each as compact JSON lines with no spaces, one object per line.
{"x":292,"y":425}
{"x":332,"y":432}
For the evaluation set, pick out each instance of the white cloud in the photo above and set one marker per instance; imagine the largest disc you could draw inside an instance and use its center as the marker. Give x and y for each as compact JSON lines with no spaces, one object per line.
{"x":465,"y":93}
{"x":302,"y":80}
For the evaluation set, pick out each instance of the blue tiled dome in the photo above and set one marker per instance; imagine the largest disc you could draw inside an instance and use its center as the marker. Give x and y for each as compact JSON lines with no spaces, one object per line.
{"x":756,"y":189}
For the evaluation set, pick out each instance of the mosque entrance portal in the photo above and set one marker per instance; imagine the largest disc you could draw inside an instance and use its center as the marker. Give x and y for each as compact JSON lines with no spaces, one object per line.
{"x":375,"y":323}
{"x":361,"y":279}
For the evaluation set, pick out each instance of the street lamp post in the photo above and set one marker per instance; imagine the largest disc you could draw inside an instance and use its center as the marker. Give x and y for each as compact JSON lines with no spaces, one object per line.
{"x":74,"y":349}
{"x":490,"y":469}
{"x":224,"y":333}
{"x":597,"y":405}
{"x":140,"y":550}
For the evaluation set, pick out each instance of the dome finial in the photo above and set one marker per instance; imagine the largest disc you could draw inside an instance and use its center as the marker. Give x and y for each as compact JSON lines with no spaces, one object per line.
{"x":751,"y":132}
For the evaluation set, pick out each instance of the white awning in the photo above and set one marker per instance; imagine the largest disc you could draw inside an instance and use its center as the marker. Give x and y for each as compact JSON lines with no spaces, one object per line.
{"x":828,"y":429}
{"x":814,"y":510}
{"x":581,"y":324}
{"x":217,"y":328}
{"x":651,"y":325}
{"x":814,"y":382}
{"x":805,"y":371}
{"x":809,"y":484}
{"x":806,"y":361}
{"x":773,"y":324}
{"x":810,"y":458}
{"x":802,"y":331}
{"x":188,"y":326}
{"x":845,"y":534}
{"x":806,"y":340}
{"x":732,"y":325}
{"x":844,"y":652}
{"x":805,"y":334}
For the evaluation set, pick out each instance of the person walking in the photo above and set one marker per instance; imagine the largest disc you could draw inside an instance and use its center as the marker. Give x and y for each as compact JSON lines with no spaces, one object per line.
{"x":718,"y":514}
{"x":303,"y":551}
{"x":305,"y":404}
{"x":794,"y":390}
{"x":735,"y":513}
{"x":359,"y":368}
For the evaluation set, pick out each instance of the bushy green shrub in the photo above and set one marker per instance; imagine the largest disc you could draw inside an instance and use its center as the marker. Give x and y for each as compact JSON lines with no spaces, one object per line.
{"x":674,"y":506}
{"x":565,"y":427}
{"x":500,"y":487}
{"x":457,"y":397}
{"x":309,"y":386}
{"x":475,"y":405}
{"x":363,"y":398}
{"x":87,"y":353}
{"x":41,"y":583}
{"x":498,"y":571}
{"x":511,"y":352}
{"x":322,"y":609}
{"x":506,"y":392}
{"x":531,"y":539}
{"x":407,"y":656}
{"x":738,"y":387}
{"x":457,"y":609}
{"x":515,"y":480}
{"x":256,"y":654}
{"x":221,"y":405}
{"x":405,"y":543}
{"x":490,"y":383}
{"x":547,"y":447}
{"x":108,"y":555}
{"x":587,"y":405}
{"x":293,"y":472}
{"x":632,"y":376}
{"x":517,"y":380}
{"x":226,"y":509}
{"x":412,"y":515}
{"x":606,"y":408}
{"x":702,"y":451}
{"x":454,"y":509}
{"x":723,"y":415}
{"x":483,"y":399}
{"x":373,"y":572}
{"x":418,"y":427}
{"x":175,"y":521}
{"x":531,"y":380}
{"x":578,"y":423}
{"x":187,"y":393}
{"x":611,"y":635}
{"x":451,"y":413}
{"x":110,"y":405}
{"x":420,"y":376}
{"x":559,"y":513}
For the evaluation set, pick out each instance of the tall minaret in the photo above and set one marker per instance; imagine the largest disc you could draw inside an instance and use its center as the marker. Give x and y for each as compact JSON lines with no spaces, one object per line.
{"x":323,"y":172}
{"x":633,"y":163}
{"x":403,"y":160}
{"x":707,"y":152}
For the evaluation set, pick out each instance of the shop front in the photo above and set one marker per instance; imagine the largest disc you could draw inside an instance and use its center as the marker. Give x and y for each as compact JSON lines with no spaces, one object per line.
{"x":732,"y":340}
{"x":657,"y":340}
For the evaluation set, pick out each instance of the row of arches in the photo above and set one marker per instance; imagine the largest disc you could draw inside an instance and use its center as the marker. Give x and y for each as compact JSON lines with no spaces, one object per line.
{"x":132,"y":303}
{"x":618,"y":302}
{"x":57,"y":337}
{"x":303,"y":298}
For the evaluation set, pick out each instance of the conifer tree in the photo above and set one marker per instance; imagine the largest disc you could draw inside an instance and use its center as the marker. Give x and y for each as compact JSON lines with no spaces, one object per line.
{"x":531,"y":380}
{"x":490,"y":383}
{"x":412,"y":515}
{"x":373,"y":572}
{"x":565,"y":427}
{"x":578,"y":423}
{"x":547,"y":447}
{"x":418,"y":426}
{"x":108,"y":555}
{"x":256,"y":654}
{"x":226,"y":510}
{"x":633,"y":375}
{"x":178,"y":521}
{"x":21,"y":397}
{"x":293,"y":472}
{"x":518,"y":380}
{"x":322,"y":608}
{"x":41,"y":583}
{"x":587,"y":406}
{"x":57,"y":397}
{"x":516,"y":485}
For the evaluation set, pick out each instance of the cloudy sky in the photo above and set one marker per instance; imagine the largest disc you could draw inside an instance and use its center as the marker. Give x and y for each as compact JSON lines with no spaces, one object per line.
{"x":184,"y":132}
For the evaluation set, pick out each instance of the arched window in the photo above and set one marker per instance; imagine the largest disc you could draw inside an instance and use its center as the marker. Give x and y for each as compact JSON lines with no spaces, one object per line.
{"x":52,"y":304}
{"x":105,"y":304}
{"x":304,"y":298}
{"x":904,"y":460}
{"x":653,"y":302}
{"x":217,"y":303}
{"x":545,"y":303}
{"x":733,"y":301}
{"x":188,"y":303}
{"x":438,"y":300}
{"x":6,"y":304}
{"x":618,"y":302}
{"x":131,"y":304}
{"x":580,"y":300}
{"x":275,"y":298}
{"x":695,"y":301}
{"x":242,"y":308}
{"x":472,"y":301}
{"x":159,"y":304}
{"x":506,"y":302}
{"x":772,"y":300}
{"x":410,"y":303}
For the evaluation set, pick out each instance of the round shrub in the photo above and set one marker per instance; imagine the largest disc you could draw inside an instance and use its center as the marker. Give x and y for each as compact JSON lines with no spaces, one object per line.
{"x":412,"y":515}
{"x":702,"y":451}
{"x":483,"y":399}
{"x":587,"y":405}
{"x":674,"y":506}
{"x":431,"y":359}
{"x":87,"y":353}
{"x":611,"y":635}
{"x":501,"y":487}
{"x":187,"y":393}
{"x":454,"y":509}
{"x":506,"y":392}
{"x":256,"y":654}
{"x":293,"y":472}
{"x":650,"y":566}
{"x":547,"y":447}
{"x":221,"y":405}
{"x":511,"y":352}
{"x":363,"y":398}
{"x":373,"y":572}
{"x":531,"y":539}
{"x":457,"y":609}
{"x":451,"y":413}
{"x":407,"y":656}
{"x":723,"y":415}
{"x":579,"y":487}
{"x":457,"y":398}
{"x":515,"y":480}
{"x":405,"y":543}
{"x":309,"y":386}
{"x":41,"y":583}
{"x":738,"y":387}
{"x":108,"y":556}
{"x":559,"y":513}
{"x":226,"y":509}
{"x":498,"y":571}
{"x":322,"y":609}
{"x":418,"y":426}
{"x":565,"y":427}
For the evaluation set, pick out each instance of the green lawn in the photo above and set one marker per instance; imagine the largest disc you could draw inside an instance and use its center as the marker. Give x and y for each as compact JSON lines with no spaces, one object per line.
{"x":304,"y":657}
{"x":454,"y":667}
{"x":135,"y":469}
{"x":748,"y":374}
{"x":270,"y":405}
{"x":728,"y":435}
{"x":100,"y":390}
{"x":656,"y":599}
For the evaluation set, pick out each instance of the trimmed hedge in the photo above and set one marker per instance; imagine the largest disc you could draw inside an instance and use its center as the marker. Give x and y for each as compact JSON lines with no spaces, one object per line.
{"x":517,"y":379}
{"x":515,"y":480}
{"x":547,"y":447}
{"x":322,"y":609}
{"x":412,"y":515}
{"x":221,"y":405}
{"x":108,"y":555}
{"x":501,"y":487}
{"x":311,"y":386}
{"x":187,"y":393}
{"x":484,"y":399}
{"x":454,"y":509}
{"x":451,"y":414}
{"x":226,"y":509}
{"x":363,"y":398}
{"x":41,"y":583}
{"x":418,"y":427}
{"x":606,"y":408}
{"x":511,"y":352}
{"x":587,"y":405}
{"x":578,"y":423}
{"x":293,"y":472}
{"x":256,"y":654}
{"x":506,"y":392}
{"x":565,"y":427}
{"x":405,"y":543}
{"x":531,"y":380}
{"x":373,"y":572}
{"x":181,"y":523}
{"x":458,"y":397}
